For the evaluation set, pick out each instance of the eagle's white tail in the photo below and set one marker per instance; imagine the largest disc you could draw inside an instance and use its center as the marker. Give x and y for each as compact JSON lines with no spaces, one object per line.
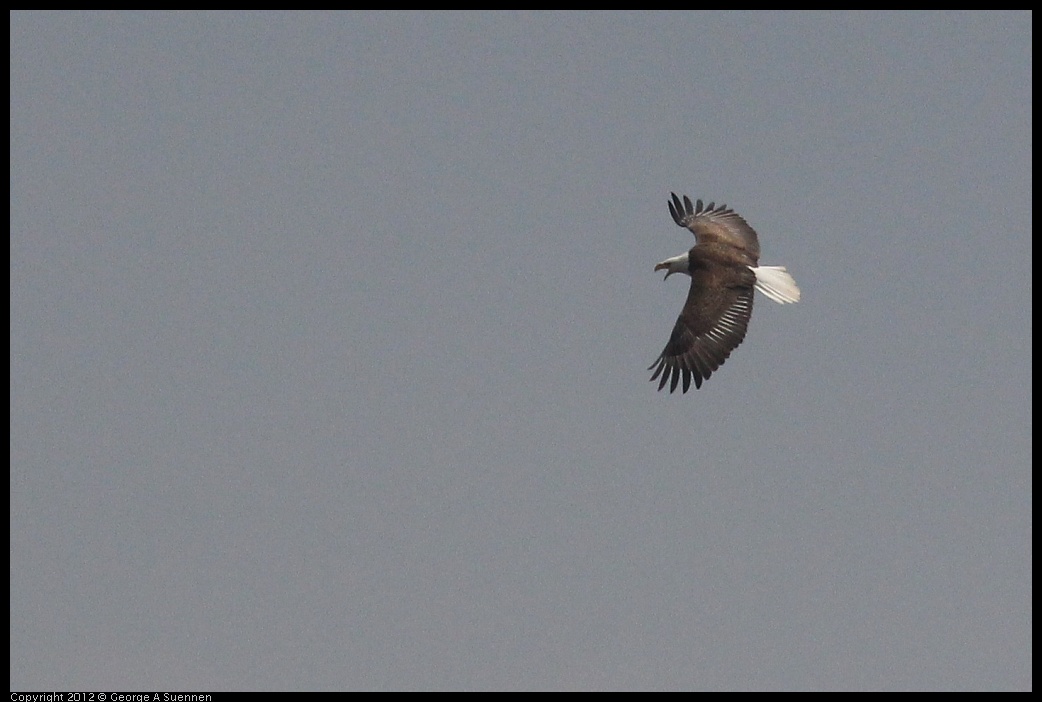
{"x":776,"y":283}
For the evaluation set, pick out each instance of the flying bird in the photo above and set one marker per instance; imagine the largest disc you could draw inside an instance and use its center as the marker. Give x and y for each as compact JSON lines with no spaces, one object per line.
{"x":724,"y":272}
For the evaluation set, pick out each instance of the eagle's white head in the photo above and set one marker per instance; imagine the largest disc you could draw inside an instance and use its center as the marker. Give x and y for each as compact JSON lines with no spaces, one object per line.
{"x":677,"y":264}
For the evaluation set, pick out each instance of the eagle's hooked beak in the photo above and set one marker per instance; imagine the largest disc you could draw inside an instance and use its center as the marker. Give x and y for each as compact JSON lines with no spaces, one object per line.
{"x":664,"y":266}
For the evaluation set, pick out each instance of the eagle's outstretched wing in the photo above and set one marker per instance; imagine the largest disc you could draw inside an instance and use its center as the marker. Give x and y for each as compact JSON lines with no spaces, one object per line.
{"x":713,"y":224}
{"x":712,"y":324}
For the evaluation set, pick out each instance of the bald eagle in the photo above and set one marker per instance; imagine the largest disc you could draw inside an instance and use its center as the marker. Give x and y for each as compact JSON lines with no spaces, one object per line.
{"x":724,"y":272}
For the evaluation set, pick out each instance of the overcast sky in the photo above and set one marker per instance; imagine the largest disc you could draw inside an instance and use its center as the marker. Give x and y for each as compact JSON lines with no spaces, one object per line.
{"x":329,"y":337}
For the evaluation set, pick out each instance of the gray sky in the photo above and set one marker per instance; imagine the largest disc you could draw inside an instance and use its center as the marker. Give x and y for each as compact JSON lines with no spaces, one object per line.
{"x":329,"y":336}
